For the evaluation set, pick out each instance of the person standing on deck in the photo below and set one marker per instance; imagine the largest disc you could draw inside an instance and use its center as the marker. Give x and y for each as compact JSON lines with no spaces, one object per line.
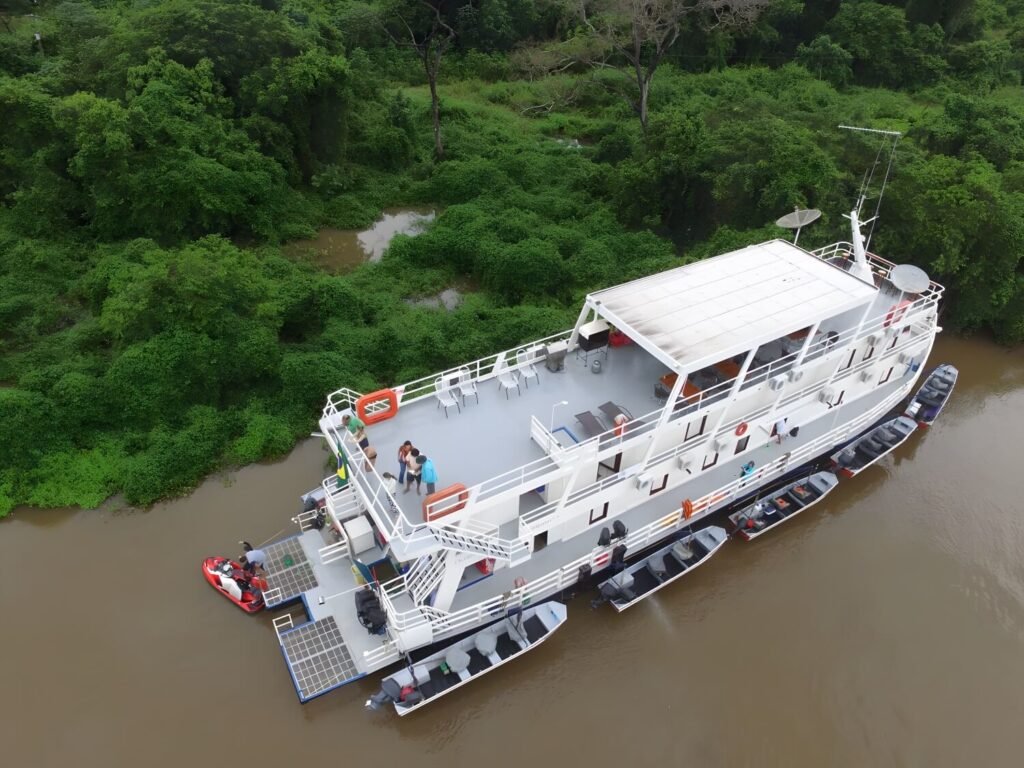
{"x":403,"y":453}
{"x":357,"y":428}
{"x":413,"y":470}
{"x":428,"y":473}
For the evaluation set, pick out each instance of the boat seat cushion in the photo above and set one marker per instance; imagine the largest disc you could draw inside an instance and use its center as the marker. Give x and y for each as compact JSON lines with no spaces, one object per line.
{"x":486,"y":642}
{"x":681,"y":552}
{"x":457,"y":659}
{"x":421,"y":674}
{"x":623,"y":580}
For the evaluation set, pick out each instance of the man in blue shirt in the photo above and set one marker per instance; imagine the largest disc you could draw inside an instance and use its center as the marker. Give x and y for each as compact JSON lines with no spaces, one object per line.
{"x":428,"y":473}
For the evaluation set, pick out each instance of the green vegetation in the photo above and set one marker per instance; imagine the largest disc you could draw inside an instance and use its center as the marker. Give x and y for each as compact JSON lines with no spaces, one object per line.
{"x":154,"y":156}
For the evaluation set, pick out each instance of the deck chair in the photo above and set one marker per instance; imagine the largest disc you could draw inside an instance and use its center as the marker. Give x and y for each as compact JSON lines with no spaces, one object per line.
{"x":445,"y":396}
{"x":611,"y":410}
{"x":591,"y":425}
{"x":526,"y":368}
{"x":508,"y":379}
{"x":467,"y":385}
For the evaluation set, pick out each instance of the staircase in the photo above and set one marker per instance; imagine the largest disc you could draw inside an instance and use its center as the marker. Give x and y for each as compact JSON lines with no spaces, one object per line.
{"x":481,"y":539}
{"x":424,"y":576}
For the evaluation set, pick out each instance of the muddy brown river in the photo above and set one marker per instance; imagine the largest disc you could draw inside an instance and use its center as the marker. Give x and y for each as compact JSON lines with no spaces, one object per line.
{"x":885,"y":628}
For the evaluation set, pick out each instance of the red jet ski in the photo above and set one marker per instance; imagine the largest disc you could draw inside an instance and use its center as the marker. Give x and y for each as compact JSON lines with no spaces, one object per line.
{"x":228,"y":578}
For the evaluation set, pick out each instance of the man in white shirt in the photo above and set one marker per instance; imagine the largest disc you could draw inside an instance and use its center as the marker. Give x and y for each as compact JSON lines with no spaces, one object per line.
{"x":780,"y":429}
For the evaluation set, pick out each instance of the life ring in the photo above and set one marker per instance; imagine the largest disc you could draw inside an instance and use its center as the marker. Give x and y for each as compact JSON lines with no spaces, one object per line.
{"x":687,"y":509}
{"x":741,"y":429}
{"x":456,"y":489}
{"x":386,"y":395}
{"x":896,"y":313}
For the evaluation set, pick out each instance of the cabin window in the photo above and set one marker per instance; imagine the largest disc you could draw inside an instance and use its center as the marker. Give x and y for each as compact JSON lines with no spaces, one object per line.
{"x":869,"y":353}
{"x":710,"y":461}
{"x":741,"y":444}
{"x":885,"y":378}
{"x":849,"y":360}
{"x":664,"y":484}
{"x":692,"y":430}
{"x":838,"y":400}
{"x":895,"y":340}
{"x":598,"y":515}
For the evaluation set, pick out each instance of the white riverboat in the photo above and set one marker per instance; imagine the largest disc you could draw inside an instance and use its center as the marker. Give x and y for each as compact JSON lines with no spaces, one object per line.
{"x":659,"y":407}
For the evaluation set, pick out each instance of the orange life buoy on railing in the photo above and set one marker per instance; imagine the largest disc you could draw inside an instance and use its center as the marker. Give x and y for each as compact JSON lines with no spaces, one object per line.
{"x":364,"y":402}
{"x":896,"y":313}
{"x":456,"y":489}
{"x":741,"y":429}
{"x":687,"y":509}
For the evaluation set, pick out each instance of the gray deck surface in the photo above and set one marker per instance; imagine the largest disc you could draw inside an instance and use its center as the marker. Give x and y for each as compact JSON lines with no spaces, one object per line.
{"x":493,"y":437}
{"x":318,"y":657}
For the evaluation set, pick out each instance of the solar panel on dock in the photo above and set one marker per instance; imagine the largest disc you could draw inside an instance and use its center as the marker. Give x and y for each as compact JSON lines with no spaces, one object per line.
{"x":318,"y":658}
{"x":288,"y":570}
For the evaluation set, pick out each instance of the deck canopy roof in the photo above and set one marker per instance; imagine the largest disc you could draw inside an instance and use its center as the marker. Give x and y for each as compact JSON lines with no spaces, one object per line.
{"x":704,"y":312}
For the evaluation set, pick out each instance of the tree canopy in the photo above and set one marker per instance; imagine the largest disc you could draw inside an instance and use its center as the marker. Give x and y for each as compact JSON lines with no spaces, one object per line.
{"x":156,"y":156}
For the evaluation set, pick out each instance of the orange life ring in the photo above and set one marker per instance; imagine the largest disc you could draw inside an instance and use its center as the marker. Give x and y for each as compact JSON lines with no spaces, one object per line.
{"x":896,"y":313}
{"x":364,"y":402}
{"x":452,"y":490}
{"x":687,"y":509}
{"x":741,"y":429}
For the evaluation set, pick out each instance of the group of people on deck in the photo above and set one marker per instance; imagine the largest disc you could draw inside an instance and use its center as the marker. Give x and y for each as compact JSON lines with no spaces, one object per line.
{"x":413,"y":465}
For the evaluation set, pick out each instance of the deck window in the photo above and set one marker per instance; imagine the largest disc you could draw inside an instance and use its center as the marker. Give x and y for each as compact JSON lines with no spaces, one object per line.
{"x":849,"y":360}
{"x":710,"y":461}
{"x":888,"y":375}
{"x":697,"y":431}
{"x":741,"y":444}
{"x":659,"y":488}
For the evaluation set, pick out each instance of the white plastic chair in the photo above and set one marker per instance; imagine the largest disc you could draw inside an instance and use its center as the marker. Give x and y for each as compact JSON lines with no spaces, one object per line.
{"x":467,"y":386}
{"x":508,"y":379}
{"x":445,"y":396}
{"x":526,"y":368}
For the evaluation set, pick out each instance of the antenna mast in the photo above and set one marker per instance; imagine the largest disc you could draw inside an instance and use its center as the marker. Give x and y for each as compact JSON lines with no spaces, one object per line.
{"x":888,"y":142}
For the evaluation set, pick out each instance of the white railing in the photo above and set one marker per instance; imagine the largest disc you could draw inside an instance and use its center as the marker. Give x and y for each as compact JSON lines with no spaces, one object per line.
{"x":281,"y":623}
{"x":382,"y":656}
{"x":332,"y":553}
{"x":306,"y":520}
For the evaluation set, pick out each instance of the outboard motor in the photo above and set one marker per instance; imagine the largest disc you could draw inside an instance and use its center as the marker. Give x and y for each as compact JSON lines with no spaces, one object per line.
{"x":389,"y":691}
{"x":618,"y":557}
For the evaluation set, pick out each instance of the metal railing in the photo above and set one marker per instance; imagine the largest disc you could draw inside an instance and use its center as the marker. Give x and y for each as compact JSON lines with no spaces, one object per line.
{"x":332,"y":553}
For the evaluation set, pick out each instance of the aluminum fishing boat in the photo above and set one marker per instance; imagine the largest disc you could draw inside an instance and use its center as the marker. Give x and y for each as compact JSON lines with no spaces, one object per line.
{"x":667,"y":565}
{"x":784,"y":504}
{"x":931,"y":398}
{"x":871,"y":447}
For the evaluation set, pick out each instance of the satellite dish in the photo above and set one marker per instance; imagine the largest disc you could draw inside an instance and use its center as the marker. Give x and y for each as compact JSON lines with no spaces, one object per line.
{"x":798,"y":219}
{"x":909,"y":279}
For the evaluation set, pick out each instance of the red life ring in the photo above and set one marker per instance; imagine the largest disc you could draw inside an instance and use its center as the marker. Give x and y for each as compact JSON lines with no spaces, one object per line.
{"x":896,"y":313}
{"x":741,"y":429}
{"x":364,"y":402}
{"x":687,"y":509}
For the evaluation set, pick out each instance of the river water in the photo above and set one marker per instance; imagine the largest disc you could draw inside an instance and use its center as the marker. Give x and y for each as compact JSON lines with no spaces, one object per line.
{"x":884,"y":628}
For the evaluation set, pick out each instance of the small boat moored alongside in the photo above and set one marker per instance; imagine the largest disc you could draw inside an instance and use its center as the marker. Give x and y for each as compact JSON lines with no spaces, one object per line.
{"x":764,"y":514}
{"x":931,"y":398}
{"x":866,"y":450}
{"x":643,"y":579}
{"x":228,"y":578}
{"x":474,"y":656}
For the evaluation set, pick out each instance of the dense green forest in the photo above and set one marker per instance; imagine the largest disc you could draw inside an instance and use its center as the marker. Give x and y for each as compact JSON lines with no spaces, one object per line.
{"x":155,"y":154}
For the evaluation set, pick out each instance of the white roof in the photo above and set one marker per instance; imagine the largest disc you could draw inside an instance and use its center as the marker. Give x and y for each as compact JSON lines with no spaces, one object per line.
{"x":719,"y":307}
